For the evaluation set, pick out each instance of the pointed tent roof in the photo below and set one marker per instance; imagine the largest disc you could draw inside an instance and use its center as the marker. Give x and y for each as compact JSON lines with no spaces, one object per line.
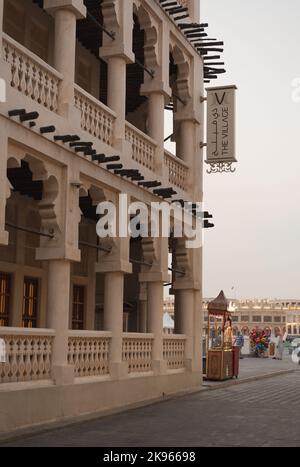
{"x":219,"y":304}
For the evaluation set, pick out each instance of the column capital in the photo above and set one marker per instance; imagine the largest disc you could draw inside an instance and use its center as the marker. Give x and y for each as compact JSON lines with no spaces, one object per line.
{"x":117,"y":51}
{"x":119,"y":265}
{"x":186,"y":284}
{"x":75,"y":6}
{"x":186,"y":115}
{"x":156,"y":87}
{"x":154,"y":276}
{"x":61,"y":253}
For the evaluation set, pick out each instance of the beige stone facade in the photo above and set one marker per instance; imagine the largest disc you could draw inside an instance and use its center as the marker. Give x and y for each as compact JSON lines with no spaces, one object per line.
{"x":82,"y":317}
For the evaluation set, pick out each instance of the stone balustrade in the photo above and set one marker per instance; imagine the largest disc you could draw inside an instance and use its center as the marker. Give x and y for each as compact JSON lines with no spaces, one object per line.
{"x":30,"y":75}
{"x":174,"y":351}
{"x":96,"y":118}
{"x":137,"y":352}
{"x":178,"y":171}
{"x":88,"y":351}
{"x":143,"y":147}
{"x":28,"y":354}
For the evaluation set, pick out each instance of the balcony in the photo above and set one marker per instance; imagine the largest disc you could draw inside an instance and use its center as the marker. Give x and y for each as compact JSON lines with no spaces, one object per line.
{"x":40,"y":82}
{"x":29,"y":353}
{"x":30,"y":75}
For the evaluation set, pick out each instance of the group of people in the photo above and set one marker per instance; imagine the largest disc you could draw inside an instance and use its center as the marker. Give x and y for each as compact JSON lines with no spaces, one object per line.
{"x":279,"y":346}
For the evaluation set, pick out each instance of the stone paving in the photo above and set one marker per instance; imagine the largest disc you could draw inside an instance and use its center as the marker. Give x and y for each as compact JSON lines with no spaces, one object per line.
{"x":265,"y":412}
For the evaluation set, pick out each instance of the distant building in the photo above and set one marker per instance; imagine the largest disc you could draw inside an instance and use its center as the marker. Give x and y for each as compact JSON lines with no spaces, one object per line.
{"x":275,"y":315}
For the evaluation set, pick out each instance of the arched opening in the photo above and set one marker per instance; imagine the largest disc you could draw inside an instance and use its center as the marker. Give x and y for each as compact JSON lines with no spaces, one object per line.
{"x":136,"y":104}
{"x":87,"y":287}
{"x":22,"y":276}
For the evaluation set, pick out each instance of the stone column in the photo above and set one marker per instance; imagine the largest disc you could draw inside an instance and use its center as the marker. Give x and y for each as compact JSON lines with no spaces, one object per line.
{"x":155,"y":251}
{"x":156,"y":106}
{"x":142,"y":319}
{"x":116,"y":97}
{"x":117,"y":17}
{"x":4,"y":186}
{"x":156,"y":117}
{"x":65,"y":13}
{"x":155,"y":305}
{"x":186,"y":147}
{"x":58,"y":318}
{"x":113,"y":317}
{"x":114,"y":266}
{"x":185,"y":324}
{"x":143,"y":316}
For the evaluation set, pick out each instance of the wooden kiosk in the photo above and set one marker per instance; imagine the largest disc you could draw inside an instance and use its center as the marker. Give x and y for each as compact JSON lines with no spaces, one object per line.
{"x":222,"y":358}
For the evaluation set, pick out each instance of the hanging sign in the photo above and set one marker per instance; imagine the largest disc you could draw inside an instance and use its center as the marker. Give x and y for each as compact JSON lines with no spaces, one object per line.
{"x":2,"y":351}
{"x":221,"y":128}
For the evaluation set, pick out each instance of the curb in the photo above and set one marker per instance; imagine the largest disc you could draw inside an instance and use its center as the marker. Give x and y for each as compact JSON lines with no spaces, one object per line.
{"x":225,"y":384}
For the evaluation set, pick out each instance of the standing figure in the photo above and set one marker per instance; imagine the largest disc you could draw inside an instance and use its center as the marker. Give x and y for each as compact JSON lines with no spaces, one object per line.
{"x":239,"y":342}
{"x":279,"y":348}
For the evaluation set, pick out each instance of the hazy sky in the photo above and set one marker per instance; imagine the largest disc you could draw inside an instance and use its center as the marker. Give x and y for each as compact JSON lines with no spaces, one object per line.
{"x":255,"y":245}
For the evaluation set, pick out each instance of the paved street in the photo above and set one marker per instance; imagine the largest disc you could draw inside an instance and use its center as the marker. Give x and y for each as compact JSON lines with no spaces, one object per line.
{"x":259,"y":413}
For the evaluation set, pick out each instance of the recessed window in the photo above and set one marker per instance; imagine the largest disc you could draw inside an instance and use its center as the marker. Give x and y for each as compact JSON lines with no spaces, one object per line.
{"x":78,"y":307}
{"x":256,"y":319}
{"x":5,"y":293}
{"x":268,"y":319}
{"x":30,"y":302}
{"x":245,"y":318}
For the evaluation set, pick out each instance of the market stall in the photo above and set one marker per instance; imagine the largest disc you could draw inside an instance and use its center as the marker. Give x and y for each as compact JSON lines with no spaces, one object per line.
{"x":222,"y":358}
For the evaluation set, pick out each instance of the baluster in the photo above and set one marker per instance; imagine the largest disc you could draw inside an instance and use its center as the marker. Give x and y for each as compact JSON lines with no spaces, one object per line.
{"x":42,"y":98}
{"x":34,"y":355}
{"x":15,"y":70}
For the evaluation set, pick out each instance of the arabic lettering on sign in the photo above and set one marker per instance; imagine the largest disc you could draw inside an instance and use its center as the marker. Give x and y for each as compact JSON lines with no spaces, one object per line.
{"x":221,"y":125}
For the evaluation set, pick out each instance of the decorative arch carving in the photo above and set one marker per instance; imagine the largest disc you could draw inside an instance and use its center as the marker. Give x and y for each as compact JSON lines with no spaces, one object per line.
{"x":111,"y":15}
{"x":151,"y":38}
{"x":183,"y":79}
{"x":182,"y":257}
{"x":149,"y":250}
{"x":41,"y":171}
{"x":48,"y":207}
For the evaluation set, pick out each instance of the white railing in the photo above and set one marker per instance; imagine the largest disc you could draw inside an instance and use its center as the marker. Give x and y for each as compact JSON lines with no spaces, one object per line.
{"x":96,"y":118}
{"x":31,"y":75}
{"x":28,"y":354}
{"x":174,"y":351}
{"x":178,"y":171}
{"x":88,"y":351}
{"x":137,"y":351}
{"x":143,"y":147}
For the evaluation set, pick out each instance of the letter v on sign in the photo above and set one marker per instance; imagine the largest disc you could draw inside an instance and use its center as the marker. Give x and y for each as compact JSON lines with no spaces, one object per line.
{"x":220,"y":102}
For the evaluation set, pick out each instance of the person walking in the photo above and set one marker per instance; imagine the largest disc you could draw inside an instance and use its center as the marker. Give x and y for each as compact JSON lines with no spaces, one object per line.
{"x":239,"y":342}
